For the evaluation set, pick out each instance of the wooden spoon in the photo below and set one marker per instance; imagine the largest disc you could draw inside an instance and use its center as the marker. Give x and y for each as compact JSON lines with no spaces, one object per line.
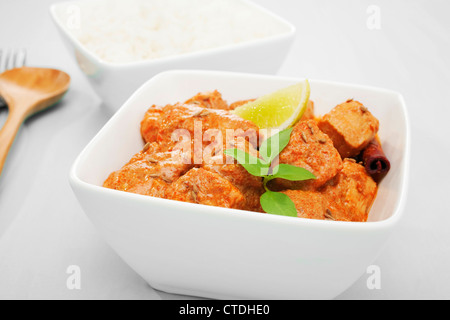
{"x":27,"y":91}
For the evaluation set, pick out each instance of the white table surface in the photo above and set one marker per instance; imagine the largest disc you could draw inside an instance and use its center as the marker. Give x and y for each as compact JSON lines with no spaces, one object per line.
{"x":43,"y":230}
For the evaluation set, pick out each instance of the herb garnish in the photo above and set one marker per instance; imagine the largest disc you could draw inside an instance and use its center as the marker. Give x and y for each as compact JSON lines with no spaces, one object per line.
{"x":273,"y":202}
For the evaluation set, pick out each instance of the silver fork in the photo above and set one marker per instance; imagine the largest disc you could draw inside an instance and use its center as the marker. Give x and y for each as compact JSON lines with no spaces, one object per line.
{"x":10,"y":59}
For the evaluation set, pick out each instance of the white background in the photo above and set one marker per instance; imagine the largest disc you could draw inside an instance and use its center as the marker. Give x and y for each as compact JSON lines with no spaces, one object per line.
{"x":43,"y":230}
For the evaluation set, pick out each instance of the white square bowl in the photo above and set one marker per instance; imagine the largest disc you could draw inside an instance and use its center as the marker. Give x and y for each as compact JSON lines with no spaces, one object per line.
{"x":229,"y":254}
{"x":114,"y":83}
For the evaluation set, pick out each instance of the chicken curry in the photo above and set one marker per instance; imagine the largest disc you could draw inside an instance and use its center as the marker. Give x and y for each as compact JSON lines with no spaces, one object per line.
{"x":341,"y":149}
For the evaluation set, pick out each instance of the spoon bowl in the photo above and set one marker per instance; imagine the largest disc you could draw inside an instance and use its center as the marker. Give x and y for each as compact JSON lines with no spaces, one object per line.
{"x":28,"y":91}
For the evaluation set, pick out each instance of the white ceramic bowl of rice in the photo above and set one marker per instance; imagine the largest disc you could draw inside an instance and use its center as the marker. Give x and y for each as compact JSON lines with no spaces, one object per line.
{"x":120,"y":44}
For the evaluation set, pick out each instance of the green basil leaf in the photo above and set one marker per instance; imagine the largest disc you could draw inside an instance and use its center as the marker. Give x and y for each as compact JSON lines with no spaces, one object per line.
{"x":278,"y":203}
{"x":272,"y":146}
{"x":292,"y":173}
{"x":252,"y":164}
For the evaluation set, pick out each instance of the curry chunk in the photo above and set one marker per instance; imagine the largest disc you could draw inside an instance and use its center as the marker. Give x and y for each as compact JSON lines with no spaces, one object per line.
{"x":168,"y":165}
{"x":351,"y":127}
{"x":309,"y":204}
{"x":351,"y":194}
{"x":348,"y":197}
{"x":149,"y":171}
{"x":160,"y":124}
{"x":311,"y":149}
{"x":138,"y":177}
{"x":205,"y":187}
{"x":209,"y":100}
{"x":150,"y":123}
{"x":309,"y":112}
{"x":249,"y":185}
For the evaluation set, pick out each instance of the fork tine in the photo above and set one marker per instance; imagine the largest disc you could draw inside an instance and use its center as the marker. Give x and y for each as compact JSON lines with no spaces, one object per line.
{"x":10,"y":59}
{"x":20,"y":57}
{"x":2,"y":60}
{"x":14,"y":60}
{"x":2,"y":101}
{"x":7,"y":59}
{"x":24,"y":60}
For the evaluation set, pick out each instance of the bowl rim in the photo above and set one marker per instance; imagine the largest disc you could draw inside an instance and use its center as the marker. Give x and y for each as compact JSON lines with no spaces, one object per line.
{"x":177,"y":57}
{"x":388,"y":223}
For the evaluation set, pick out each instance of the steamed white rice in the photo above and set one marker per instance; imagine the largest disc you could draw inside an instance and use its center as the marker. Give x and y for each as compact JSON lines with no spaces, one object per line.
{"x":122,"y":31}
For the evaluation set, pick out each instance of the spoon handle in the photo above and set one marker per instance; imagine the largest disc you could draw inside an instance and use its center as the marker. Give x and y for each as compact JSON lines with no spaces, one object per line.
{"x":8,"y":134}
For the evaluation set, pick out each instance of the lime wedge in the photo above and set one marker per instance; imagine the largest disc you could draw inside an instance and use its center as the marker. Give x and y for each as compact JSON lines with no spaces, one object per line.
{"x":277,"y":110}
